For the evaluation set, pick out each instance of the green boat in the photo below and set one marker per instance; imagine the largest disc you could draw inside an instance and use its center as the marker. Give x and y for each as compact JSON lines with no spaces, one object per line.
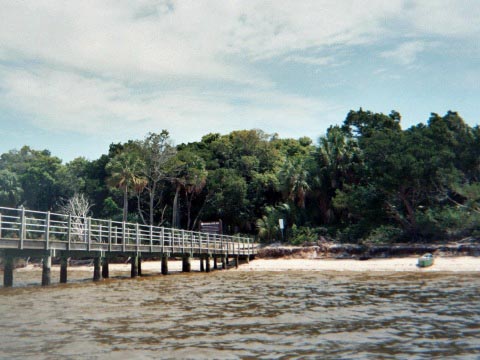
{"x":425,"y":260}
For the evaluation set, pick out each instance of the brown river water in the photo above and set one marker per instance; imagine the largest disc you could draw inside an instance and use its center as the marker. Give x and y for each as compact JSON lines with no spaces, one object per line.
{"x":248,"y":315}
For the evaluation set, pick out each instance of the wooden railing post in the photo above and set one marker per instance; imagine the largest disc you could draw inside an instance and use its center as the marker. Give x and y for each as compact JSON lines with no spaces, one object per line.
{"x":124,"y":228}
{"x":137,"y":237}
{"x":110,"y":235}
{"x":89,"y":234}
{"x":0,"y":225}
{"x":85,"y":225}
{"x":183,"y":241}
{"x":162,"y":238}
{"x":151,"y":238}
{"x":69,"y":231}
{"x":47,"y":231}
{"x":22,"y":227}
{"x":191,"y":242}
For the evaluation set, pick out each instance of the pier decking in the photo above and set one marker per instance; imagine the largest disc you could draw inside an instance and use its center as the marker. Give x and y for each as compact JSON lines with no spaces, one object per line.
{"x":27,"y":233}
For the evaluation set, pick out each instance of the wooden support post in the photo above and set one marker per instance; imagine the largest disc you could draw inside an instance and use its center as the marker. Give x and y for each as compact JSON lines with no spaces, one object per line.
{"x":187,"y":263}
{"x":105,"y":267}
{"x":227,"y":260}
{"x":47,"y":231}
{"x":139,"y":266}
{"x":134,"y":266}
{"x":109,"y":239}
{"x":202,"y":267}
{"x":97,"y":274}
{"x":215,"y":266}
{"x":207,"y":263}
{"x":137,"y":237}
{"x":8,"y":271}
{"x":46,"y":270}
{"x":162,"y":238}
{"x":224,"y":262}
{"x":23,"y":231}
{"x":150,"y":237}
{"x":69,"y":232}
{"x":165,"y":264}
{"x":237,"y":259}
{"x":63,"y":269}
{"x":247,"y":259}
{"x":124,"y":229}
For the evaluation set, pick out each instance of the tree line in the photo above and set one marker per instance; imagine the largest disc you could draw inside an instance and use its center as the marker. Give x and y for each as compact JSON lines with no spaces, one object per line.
{"x":367,"y":180}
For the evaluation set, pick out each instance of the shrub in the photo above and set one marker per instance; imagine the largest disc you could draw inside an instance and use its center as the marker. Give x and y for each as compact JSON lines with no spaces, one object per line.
{"x":301,"y":235}
{"x":384,"y":234}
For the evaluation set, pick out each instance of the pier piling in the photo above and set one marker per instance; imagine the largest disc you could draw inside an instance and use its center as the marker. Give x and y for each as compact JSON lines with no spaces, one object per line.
{"x":105,"y":268}
{"x":207,"y":263}
{"x":187,"y":264}
{"x":134,"y":267}
{"x":8,"y":271}
{"x":164,"y":264}
{"x":97,"y":275}
{"x":63,"y":269}
{"x":47,"y":270}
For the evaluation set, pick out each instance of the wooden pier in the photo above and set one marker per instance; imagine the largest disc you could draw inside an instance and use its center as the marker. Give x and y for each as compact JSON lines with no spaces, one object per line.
{"x":26,"y":233}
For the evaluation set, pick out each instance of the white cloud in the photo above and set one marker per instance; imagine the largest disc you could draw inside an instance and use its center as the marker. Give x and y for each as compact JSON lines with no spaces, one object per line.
{"x":128,"y":67}
{"x":406,"y":53}
{"x":141,"y":40}
{"x":457,"y":18}
{"x":65,"y":102}
{"x":310,"y":60}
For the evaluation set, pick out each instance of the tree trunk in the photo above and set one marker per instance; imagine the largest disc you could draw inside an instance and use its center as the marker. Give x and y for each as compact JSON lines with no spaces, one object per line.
{"x":125,"y":204}
{"x":410,"y":211}
{"x":189,"y":208}
{"x":151,"y":205}
{"x":175,"y":208}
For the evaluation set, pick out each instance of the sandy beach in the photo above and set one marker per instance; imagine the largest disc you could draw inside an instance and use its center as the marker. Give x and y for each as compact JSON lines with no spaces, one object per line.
{"x":443,"y":264}
{"x":406,"y":264}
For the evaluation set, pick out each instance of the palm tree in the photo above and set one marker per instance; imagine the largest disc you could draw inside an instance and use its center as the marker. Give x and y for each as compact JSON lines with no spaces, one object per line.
{"x":337,"y":156}
{"x":268,"y":225}
{"x":125,"y":169}
{"x":294,"y":180}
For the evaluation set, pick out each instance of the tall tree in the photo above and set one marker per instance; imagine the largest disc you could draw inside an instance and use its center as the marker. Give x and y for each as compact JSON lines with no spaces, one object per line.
{"x":294,"y":177}
{"x":10,"y":189}
{"x":157,"y":153}
{"x":125,"y":171}
{"x":190,"y":179}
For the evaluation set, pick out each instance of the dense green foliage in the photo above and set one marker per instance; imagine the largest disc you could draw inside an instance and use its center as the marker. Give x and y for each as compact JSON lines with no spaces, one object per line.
{"x":365,"y":181}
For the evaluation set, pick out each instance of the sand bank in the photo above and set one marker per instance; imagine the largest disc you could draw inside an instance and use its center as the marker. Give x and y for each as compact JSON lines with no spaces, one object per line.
{"x":442,"y":264}
{"x":448,"y":264}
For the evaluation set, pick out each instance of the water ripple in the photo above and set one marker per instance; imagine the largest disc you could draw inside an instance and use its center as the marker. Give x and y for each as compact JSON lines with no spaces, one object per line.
{"x":246,"y":315}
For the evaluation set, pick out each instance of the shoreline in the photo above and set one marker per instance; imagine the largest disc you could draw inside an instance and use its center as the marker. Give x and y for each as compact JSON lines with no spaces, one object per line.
{"x":404,"y":264}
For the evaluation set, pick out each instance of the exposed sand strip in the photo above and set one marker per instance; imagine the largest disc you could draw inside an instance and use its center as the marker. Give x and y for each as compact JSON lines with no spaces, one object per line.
{"x":441,"y":264}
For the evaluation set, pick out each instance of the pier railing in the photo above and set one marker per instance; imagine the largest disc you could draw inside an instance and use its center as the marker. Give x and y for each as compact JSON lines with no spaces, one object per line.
{"x":28,"y":229}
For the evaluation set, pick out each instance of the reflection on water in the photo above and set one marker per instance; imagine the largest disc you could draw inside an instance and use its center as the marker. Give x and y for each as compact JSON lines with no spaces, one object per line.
{"x":245,"y":315}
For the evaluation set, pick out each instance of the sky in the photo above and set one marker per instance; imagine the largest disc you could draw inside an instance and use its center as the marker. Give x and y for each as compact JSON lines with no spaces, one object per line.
{"x":76,"y":76}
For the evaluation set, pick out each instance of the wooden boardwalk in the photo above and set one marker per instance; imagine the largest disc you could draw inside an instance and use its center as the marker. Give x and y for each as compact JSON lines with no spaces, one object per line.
{"x":26,"y":233}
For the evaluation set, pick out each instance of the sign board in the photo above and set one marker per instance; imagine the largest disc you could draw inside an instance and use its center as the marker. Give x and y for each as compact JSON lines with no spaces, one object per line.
{"x":214,"y":227}
{"x":280,"y":222}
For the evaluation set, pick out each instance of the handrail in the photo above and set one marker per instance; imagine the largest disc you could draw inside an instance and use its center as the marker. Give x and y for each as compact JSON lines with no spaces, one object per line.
{"x":52,"y":228}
